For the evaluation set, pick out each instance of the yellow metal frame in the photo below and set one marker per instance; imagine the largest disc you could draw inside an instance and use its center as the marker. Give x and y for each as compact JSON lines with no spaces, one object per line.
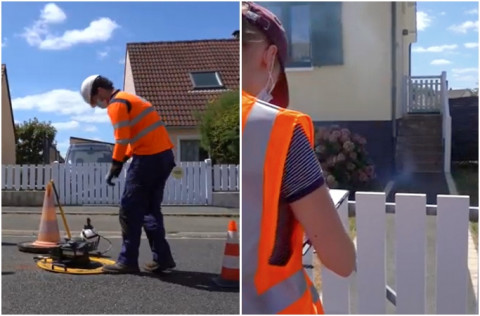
{"x":47,"y":264}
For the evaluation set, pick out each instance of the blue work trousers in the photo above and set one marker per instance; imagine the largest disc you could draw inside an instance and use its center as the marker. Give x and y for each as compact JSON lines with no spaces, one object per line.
{"x":140,"y":206}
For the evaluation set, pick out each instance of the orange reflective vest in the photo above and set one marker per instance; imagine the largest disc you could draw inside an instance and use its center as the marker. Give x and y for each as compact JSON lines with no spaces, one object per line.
{"x":137,"y":127}
{"x":271,"y":288}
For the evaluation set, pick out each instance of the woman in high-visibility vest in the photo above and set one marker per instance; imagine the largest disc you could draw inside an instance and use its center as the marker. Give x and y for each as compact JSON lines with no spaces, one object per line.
{"x":141,"y":134}
{"x":284,"y":194}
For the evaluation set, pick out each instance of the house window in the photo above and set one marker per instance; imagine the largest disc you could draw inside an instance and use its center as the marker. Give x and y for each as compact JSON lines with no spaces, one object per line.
{"x":314,"y":32}
{"x":206,"y":80}
{"x":301,"y":50}
{"x":190,"y":150}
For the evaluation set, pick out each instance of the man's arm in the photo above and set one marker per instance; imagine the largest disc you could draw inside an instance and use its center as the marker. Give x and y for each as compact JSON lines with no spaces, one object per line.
{"x":121,"y":129}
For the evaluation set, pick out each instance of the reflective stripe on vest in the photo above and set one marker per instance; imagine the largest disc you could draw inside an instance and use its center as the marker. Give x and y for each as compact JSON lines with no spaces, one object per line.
{"x":143,"y":132}
{"x":259,"y":127}
{"x":135,"y":120}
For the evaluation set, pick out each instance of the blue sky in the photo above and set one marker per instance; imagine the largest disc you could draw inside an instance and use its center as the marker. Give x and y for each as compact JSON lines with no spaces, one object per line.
{"x":447,"y":40}
{"x":50,"y":48}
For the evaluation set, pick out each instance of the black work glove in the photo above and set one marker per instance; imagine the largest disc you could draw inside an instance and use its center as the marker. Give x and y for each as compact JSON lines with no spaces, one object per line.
{"x":126,"y":159}
{"x":114,"y":172}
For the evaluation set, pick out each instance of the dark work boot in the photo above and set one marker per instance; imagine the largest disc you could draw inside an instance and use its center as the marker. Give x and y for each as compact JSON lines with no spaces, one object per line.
{"x":156,"y":267}
{"x":119,"y":268}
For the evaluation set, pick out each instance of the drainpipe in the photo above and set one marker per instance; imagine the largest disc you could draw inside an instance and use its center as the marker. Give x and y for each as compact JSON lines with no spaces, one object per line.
{"x":394,"y":79}
{"x":410,"y":59}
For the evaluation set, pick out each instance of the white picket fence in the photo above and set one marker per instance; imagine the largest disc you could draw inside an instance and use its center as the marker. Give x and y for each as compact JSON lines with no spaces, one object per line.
{"x":84,"y":184}
{"x":410,"y":255}
{"x":226,"y":178}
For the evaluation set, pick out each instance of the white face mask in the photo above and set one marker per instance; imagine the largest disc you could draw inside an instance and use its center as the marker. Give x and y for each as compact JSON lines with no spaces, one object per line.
{"x":102,"y":104}
{"x":266,"y":93}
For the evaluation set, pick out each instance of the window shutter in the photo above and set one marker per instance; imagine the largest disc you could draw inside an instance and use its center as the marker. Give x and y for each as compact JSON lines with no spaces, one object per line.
{"x":326,"y":26}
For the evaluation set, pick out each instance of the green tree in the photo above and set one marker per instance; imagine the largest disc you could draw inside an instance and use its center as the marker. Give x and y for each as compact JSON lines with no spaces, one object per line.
{"x":32,"y":139}
{"x":219,"y":128}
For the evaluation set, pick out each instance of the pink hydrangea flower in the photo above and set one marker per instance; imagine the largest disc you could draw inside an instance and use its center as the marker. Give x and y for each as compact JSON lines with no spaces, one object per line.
{"x":348,"y":146}
{"x":350,"y":166}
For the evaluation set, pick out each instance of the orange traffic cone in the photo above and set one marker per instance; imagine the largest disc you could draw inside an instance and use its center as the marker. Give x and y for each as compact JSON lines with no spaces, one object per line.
{"x":48,"y":232}
{"x":230,"y":274}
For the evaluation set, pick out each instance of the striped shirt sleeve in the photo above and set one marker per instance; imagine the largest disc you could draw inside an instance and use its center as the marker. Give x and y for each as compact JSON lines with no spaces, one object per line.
{"x":302,"y":173}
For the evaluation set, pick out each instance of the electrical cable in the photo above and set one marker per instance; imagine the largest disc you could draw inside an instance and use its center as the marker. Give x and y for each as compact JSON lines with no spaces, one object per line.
{"x":102,"y":253}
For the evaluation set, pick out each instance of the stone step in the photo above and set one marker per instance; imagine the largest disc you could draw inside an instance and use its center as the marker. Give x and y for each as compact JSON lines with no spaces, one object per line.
{"x":419,"y":131}
{"x":419,"y":167}
{"x":422,"y":117}
{"x":424,"y":140}
{"x":427,"y":121}
{"x":419,"y":157}
{"x":430,"y":147}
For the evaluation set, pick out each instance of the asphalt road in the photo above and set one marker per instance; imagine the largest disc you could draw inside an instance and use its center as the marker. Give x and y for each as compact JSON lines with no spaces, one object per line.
{"x":197,"y":245}
{"x":108,"y":225}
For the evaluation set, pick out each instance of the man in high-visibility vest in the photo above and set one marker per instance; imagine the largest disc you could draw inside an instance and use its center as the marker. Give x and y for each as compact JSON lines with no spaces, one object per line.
{"x":140,"y":134}
{"x":284,"y":194}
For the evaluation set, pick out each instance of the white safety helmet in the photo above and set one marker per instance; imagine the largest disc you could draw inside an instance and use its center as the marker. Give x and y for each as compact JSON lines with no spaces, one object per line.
{"x":86,"y":89}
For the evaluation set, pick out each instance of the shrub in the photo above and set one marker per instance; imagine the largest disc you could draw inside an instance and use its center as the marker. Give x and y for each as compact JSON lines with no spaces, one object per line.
{"x":219,"y":128}
{"x":343,"y":158}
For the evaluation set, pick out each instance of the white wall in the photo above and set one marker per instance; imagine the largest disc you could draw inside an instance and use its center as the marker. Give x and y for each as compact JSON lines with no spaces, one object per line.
{"x":178,"y":133}
{"x":360,"y":89}
{"x":129,"y":85}
{"x":8,"y":132}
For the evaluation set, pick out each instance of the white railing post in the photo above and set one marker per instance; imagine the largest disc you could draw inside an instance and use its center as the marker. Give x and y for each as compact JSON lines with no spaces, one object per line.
{"x":405,"y":96}
{"x":371,"y":241}
{"x":335,"y":289}
{"x":208,"y":182}
{"x":446,"y":125}
{"x":452,"y":254}
{"x":410,"y":250}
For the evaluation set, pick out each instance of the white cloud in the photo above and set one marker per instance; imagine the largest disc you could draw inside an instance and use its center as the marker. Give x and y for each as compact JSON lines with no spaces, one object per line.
{"x":39,"y":35}
{"x":103,"y":53}
{"x":90,"y":128}
{"x":98,"y":116}
{"x":466,"y":78}
{"x":66,"y":125}
{"x":435,"y":49}
{"x":443,"y":13}
{"x":464,"y":70}
{"x":472,"y":11}
{"x":471,"y":45}
{"x":51,"y":14}
{"x":437,"y":62}
{"x":464,"y":27}
{"x":465,"y":74}
{"x":423,"y":20}
{"x":121,"y":61}
{"x":98,"y":31}
{"x":60,"y":101}
{"x":4,"y":42}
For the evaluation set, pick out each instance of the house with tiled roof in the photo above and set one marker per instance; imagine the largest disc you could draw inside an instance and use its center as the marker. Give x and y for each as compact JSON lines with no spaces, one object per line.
{"x":179,"y":79}
{"x":8,"y":126}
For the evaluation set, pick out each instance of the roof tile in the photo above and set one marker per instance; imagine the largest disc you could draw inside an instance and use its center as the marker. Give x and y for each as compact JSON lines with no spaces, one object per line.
{"x":161,"y":74}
